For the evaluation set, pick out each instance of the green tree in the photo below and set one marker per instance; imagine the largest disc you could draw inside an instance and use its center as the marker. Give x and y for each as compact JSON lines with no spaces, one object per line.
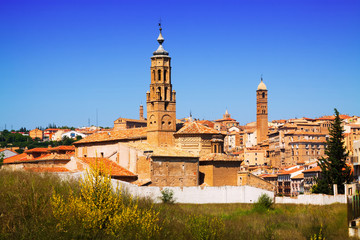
{"x":2,"y":156}
{"x":333,"y":167}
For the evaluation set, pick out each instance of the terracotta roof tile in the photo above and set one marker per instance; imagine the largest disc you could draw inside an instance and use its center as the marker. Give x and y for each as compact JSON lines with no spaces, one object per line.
{"x":207,"y":123}
{"x":290,"y":171}
{"x":16,"y":158}
{"x":196,"y":128}
{"x":115,"y":169}
{"x":299,"y":176}
{"x":46,"y":169}
{"x":133,"y":133}
{"x":56,"y":157}
{"x":63,"y":148}
{"x":269,"y":175}
{"x":218,"y":157}
{"x":160,"y":151}
{"x":314,"y":169}
{"x":38,"y":150}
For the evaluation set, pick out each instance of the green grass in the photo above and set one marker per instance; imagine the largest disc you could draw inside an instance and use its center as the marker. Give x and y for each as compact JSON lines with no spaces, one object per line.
{"x":25,"y":213}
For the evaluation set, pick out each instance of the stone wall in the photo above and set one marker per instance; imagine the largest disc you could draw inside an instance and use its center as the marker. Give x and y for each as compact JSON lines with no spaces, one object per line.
{"x":219,"y":173}
{"x":174,"y":171}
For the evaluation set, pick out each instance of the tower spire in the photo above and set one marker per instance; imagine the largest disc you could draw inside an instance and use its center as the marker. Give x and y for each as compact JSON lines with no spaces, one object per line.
{"x":160,"y":39}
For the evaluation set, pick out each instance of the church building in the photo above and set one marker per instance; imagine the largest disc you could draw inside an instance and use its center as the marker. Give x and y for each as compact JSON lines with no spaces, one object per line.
{"x":156,"y":152}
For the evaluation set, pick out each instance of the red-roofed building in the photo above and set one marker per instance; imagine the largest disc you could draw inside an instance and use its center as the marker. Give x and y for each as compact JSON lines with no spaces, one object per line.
{"x":310,"y":176}
{"x":105,"y":164}
{"x":42,"y":158}
{"x":226,"y":122}
{"x":284,"y":181}
{"x":297,"y":184}
{"x":197,"y":138}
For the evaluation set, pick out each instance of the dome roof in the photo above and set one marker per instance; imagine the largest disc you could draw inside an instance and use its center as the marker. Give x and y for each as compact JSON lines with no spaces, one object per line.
{"x":160,"y":39}
{"x":261,"y":86}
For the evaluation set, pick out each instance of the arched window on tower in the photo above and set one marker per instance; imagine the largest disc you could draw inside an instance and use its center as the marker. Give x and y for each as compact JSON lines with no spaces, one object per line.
{"x":153,"y":77}
{"x":159,"y":75}
{"x":263,"y":95}
{"x":159,"y":90}
{"x":165,"y":72}
{"x":165,"y":93}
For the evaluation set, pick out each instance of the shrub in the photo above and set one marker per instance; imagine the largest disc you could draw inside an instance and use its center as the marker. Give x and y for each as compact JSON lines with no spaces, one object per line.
{"x":318,"y":236}
{"x":264,"y":202}
{"x":101,"y":212}
{"x":167,"y":196}
{"x":205,"y":228}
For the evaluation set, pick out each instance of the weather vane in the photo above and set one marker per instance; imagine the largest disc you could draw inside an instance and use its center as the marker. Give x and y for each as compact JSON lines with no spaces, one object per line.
{"x":160,"y":24}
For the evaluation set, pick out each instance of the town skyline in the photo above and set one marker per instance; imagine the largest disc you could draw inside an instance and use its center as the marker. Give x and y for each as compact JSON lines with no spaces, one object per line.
{"x":64,"y":68}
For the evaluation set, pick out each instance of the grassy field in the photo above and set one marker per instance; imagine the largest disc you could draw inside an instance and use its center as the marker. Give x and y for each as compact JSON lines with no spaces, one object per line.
{"x":26,"y":212}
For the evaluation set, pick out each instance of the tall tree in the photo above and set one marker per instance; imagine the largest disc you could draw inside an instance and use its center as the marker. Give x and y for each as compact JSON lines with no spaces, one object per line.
{"x":333,"y":167}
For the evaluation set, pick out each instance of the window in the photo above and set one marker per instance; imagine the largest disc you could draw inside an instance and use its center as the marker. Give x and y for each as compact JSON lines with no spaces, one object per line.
{"x":263,"y":95}
{"x":165,"y":75}
{"x":159,"y":74}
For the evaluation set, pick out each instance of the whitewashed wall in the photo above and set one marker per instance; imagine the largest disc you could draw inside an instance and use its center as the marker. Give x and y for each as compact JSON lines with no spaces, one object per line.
{"x":225,"y":194}
{"x":313,"y":199}
{"x":199,"y":195}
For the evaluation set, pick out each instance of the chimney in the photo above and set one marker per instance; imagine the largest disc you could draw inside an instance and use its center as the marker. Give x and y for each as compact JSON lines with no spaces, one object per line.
{"x":141,"y":112}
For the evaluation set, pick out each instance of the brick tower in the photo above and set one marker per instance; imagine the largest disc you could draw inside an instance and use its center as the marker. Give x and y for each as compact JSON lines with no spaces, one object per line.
{"x":261,"y":112}
{"x":161,"y":102}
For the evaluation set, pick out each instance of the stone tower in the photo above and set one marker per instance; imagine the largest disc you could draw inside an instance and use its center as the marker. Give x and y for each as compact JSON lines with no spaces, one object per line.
{"x":141,"y":112}
{"x":160,"y":100}
{"x":261,"y":112}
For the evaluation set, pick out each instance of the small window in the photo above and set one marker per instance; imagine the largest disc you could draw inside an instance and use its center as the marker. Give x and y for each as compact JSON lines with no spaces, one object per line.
{"x":159,"y":74}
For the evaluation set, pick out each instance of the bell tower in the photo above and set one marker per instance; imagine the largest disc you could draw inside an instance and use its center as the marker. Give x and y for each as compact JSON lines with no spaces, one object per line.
{"x":261,"y":112}
{"x":161,"y":99}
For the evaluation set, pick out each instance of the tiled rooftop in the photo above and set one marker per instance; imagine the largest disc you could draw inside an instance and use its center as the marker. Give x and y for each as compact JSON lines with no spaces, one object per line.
{"x":115,"y":169}
{"x":37,"y":150}
{"x":16,"y":158}
{"x":299,"y":176}
{"x":196,"y":128}
{"x":315,"y":169}
{"x":134,"y":133}
{"x":161,"y":151}
{"x":46,"y":169}
{"x":218,"y":157}
{"x":63,"y":148}
{"x":207,"y":123}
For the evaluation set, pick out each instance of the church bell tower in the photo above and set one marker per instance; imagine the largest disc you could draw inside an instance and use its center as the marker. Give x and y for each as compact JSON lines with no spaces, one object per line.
{"x":161,"y":100}
{"x":261,"y":112}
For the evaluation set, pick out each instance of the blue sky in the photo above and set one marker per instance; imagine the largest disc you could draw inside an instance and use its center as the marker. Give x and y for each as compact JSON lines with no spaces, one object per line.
{"x":61,"y":60}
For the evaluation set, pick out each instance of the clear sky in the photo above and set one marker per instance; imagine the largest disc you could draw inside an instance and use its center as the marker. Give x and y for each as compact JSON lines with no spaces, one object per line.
{"x":60,"y":60}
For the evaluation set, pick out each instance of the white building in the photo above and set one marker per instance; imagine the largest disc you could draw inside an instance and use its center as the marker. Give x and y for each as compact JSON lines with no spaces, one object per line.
{"x":73,"y":134}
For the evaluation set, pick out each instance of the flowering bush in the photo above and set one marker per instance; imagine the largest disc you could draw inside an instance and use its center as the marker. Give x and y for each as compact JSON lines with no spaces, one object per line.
{"x":101,"y":210}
